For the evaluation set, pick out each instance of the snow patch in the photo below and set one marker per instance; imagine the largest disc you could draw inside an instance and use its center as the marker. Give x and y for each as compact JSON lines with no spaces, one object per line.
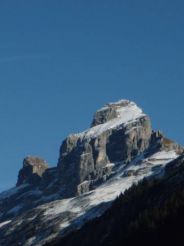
{"x":164,"y":155}
{"x":126,"y":114}
{"x":4,"y":223}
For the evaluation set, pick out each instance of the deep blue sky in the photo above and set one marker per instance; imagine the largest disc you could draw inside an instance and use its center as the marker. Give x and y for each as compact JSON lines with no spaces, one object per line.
{"x":61,"y":60}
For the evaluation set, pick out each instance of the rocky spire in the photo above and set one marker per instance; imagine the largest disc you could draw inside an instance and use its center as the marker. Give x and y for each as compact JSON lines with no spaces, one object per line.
{"x":32,"y":171}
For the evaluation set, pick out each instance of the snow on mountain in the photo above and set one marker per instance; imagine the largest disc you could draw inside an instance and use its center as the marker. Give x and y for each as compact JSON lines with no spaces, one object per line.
{"x":125,"y":114}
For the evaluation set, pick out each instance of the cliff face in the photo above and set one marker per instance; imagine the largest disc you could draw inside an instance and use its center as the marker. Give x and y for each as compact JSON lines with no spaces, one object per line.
{"x":94,"y":167}
{"x":120,"y":132}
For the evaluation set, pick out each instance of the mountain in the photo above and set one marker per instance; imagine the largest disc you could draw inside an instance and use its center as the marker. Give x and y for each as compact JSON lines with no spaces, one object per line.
{"x":94,"y":167}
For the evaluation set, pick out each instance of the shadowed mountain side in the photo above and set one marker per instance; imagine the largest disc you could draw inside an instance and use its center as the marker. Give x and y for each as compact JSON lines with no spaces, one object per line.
{"x":150,"y":213}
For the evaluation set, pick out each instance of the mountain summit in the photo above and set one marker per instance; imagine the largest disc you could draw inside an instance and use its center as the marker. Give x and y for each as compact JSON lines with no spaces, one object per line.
{"x":94,"y":167}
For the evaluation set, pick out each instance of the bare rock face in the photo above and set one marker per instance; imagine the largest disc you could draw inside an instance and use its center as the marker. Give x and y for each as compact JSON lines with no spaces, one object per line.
{"x":32,"y":171}
{"x":120,"y":132}
{"x":159,"y":141}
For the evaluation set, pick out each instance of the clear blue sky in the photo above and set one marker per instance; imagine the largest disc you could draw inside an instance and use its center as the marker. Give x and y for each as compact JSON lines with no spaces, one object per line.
{"x":61,"y":60}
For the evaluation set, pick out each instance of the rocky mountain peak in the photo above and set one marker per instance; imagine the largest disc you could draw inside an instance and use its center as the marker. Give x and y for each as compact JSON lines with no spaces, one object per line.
{"x":120,"y":131}
{"x":32,"y":170}
{"x":109,"y":111}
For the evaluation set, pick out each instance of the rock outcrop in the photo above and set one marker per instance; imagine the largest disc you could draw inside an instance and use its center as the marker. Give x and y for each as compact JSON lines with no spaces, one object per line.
{"x":159,"y":141}
{"x":32,"y":171}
